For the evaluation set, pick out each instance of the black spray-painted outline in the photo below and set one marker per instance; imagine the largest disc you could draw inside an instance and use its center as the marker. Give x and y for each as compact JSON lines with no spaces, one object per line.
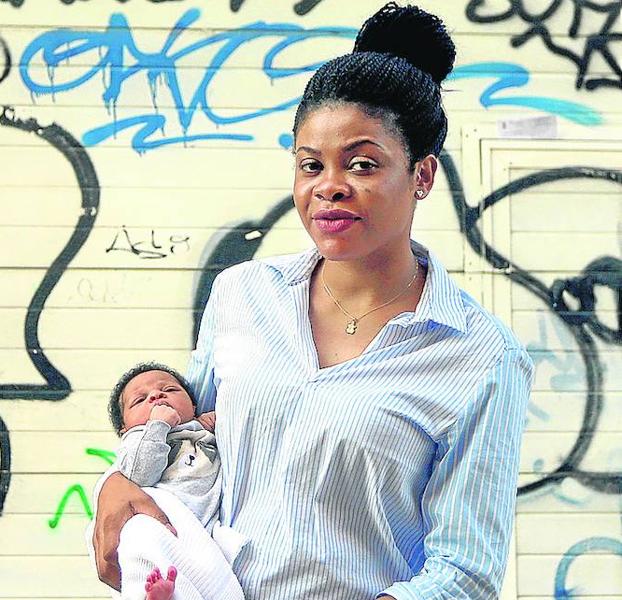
{"x":5,"y":463}
{"x":57,"y":385}
{"x":597,"y":42}
{"x":235,"y":247}
{"x":606,"y":272}
{"x":6,"y":57}
{"x":301,"y":8}
{"x":305,"y":6}
{"x":578,"y":322}
{"x":19,"y":3}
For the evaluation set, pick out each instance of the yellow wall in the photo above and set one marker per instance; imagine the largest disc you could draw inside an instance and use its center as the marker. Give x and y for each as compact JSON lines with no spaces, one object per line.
{"x":108,"y":244}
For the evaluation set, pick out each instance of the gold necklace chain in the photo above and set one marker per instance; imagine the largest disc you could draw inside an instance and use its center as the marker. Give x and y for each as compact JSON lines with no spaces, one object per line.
{"x":353,"y":322}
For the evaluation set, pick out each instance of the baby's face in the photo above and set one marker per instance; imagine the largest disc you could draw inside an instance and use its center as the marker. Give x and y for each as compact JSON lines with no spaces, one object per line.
{"x":149,"y":389}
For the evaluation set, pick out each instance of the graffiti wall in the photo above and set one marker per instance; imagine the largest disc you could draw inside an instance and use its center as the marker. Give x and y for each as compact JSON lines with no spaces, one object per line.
{"x":144,"y":147}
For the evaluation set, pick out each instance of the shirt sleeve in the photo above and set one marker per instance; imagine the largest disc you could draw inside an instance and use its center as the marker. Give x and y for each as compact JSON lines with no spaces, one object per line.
{"x":143,"y":454}
{"x":200,"y":372}
{"x":468,"y":504}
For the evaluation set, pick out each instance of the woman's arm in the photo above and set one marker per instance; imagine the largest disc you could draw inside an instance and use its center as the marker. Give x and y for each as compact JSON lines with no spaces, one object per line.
{"x":200,"y":372}
{"x":119,"y":500}
{"x":468,"y":504}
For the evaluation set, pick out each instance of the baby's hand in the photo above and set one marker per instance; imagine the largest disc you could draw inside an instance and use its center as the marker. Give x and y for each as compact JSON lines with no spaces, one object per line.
{"x":163,"y":412}
{"x":208,"y":420}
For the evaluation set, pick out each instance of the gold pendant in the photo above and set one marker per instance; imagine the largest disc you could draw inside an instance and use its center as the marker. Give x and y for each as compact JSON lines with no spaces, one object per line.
{"x":351,"y":327}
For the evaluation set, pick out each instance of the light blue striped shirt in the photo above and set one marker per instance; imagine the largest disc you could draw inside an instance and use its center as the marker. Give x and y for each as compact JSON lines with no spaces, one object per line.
{"x":393,"y":472}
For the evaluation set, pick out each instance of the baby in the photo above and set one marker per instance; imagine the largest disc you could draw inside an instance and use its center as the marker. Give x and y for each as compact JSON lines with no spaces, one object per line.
{"x":165,"y":449}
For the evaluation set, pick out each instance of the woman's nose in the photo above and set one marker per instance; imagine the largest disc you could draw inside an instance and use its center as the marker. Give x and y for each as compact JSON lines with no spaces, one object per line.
{"x":332,"y":186}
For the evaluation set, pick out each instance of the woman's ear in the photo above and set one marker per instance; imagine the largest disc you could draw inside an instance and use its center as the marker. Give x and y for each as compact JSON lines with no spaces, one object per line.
{"x":425,"y":171}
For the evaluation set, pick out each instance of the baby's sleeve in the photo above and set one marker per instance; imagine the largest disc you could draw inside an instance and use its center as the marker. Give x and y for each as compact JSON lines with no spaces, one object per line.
{"x":143,"y":454}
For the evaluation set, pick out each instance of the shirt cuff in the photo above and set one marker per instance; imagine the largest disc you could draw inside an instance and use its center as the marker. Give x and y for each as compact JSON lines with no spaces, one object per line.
{"x":154,"y":430}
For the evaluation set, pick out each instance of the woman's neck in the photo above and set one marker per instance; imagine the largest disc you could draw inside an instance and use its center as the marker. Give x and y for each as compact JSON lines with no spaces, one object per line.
{"x":370,"y":280}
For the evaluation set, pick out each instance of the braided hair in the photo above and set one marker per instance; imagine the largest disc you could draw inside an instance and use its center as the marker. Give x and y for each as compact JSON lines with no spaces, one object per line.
{"x":400,"y":58}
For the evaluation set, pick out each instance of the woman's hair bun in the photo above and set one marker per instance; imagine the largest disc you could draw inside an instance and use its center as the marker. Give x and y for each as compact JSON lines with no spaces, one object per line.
{"x":411,"y":33}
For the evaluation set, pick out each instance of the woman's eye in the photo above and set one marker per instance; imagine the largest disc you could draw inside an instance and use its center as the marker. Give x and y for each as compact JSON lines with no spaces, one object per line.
{"x":310,"y":166}
{"x":362,"y":165}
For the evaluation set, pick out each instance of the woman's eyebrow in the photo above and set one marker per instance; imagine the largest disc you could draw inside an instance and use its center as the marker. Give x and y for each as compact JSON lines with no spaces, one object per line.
{"x":308,"y":149}
{"x":348,"y":148}
{"x":358,"y":143}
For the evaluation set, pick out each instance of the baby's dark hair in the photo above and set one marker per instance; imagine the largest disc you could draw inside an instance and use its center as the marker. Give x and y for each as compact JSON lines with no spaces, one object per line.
{"x":115,"y":408}
{"x":400,"y":58}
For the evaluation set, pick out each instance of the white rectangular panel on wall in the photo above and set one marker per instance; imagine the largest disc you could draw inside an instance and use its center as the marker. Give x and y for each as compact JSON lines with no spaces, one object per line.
{"x":549,"y":249}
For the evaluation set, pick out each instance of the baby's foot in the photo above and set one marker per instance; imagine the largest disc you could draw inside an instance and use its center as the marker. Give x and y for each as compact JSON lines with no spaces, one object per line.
{"x":158,"y":588}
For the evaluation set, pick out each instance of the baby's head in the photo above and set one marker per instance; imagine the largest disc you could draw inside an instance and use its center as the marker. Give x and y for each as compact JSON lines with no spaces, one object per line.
{"x":143,"y":387}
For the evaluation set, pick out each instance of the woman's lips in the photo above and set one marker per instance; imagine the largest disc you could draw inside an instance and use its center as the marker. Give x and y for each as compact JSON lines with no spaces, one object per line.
{"x":334,"y":225}
{"x":334,"y":221}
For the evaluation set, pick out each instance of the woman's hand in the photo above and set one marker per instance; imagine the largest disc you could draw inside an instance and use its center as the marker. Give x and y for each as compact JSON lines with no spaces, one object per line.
{"x":208,"y":420}
{"x":119,"y":500}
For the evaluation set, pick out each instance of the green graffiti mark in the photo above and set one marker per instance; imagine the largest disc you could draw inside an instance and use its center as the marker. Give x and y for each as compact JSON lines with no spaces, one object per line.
{"x":105,"y":455}
{"x":74,"y":489}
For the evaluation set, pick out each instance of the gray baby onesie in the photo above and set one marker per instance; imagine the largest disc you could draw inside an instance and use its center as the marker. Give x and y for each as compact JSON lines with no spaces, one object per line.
{"x":183,"y":460}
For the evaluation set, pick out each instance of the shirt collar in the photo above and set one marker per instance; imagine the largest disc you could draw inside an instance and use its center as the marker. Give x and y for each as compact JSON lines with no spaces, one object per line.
{"x":441,"y":301}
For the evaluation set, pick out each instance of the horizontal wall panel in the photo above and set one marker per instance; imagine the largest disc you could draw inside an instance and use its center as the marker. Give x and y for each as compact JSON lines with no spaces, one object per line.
{"x":556,"y":252}
{"x":40,"y":493}
{"x":598,"y":574}
{"x":103,"y":288}
{"x":64,"y":453}
{"x":103,"y":329}
{"x":61,"y":576}
{"x":220,"y":16}
{"x":557,"y":534}
{"x":547,"y":330}
{"x":543,"y":452}
{"x":552,"y":212}
{"x":566,"y":372}
{"x":70,"y":414}
{"x":77,"y":366}
{"x":566,"y":411}
{"x":565,"y":497}
{"x":33,"y":536}
{"x":119,"y":248}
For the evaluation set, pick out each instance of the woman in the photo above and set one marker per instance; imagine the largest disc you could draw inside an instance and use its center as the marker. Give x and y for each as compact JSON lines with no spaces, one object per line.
{"x":369,"y":413}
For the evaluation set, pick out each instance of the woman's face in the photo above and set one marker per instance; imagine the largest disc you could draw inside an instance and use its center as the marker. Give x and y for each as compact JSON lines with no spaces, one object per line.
{"x":353,"y":188}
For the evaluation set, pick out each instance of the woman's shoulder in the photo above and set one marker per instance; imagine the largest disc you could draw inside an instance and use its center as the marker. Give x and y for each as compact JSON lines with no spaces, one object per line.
{"x":477,"y":325}
{"x":494,"y":343}
{"x":483,"y":324}
{"x":284,"y":266}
